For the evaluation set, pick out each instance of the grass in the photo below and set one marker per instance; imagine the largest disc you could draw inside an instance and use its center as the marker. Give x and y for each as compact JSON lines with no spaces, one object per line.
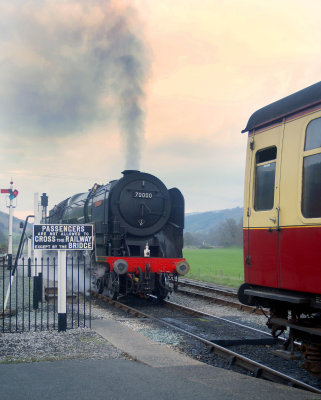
{"x":222,"y":266}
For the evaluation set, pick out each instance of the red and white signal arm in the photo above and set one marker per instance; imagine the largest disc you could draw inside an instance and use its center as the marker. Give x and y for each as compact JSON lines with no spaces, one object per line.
{"x":12,"y":193}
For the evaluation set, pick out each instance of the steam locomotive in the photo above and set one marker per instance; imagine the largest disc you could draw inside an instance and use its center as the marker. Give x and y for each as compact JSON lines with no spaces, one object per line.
{"x":138,"y":233}
{"x":282,"y":218}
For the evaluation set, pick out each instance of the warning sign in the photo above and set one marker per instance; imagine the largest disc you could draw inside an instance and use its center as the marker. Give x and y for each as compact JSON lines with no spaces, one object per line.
{"x":63,"y":237}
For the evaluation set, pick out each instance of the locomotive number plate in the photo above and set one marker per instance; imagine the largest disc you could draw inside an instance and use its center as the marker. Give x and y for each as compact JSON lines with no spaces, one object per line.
{"x":142,"y":194}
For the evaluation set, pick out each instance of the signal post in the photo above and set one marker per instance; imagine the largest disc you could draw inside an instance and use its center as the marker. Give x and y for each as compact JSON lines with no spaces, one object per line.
{"x":13,"y":193}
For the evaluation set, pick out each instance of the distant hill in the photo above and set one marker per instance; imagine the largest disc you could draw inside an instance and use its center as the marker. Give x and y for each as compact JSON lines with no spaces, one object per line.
{"x":206,"y":221}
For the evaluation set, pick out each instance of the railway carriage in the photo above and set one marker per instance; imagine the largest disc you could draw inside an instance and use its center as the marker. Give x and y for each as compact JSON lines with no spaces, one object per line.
{"x":282,"y":218}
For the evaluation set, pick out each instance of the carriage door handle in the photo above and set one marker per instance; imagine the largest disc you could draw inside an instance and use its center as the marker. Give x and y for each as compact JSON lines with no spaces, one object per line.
{"x":274,"y":220}
{"x":278,"y":222}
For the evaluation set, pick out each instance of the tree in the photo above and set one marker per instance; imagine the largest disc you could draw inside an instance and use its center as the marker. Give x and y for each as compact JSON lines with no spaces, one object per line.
{"x":188,"y":239}
{"x":229,"y":233}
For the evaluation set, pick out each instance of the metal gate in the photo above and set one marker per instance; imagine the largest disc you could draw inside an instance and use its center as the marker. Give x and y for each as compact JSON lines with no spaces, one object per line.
{"x":29,"y":294}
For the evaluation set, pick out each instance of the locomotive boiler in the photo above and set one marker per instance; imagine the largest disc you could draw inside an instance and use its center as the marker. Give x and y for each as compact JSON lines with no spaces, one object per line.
{"x":282,"y":218}
{"x":138,"y":233}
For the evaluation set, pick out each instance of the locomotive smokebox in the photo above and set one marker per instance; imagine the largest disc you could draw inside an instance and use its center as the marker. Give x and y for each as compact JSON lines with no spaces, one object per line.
{"x":141,"y":202}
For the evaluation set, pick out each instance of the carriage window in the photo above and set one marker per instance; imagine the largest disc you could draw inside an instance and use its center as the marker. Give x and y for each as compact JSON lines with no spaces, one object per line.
{"x":313,"y":135}
{"x":311,"y":176}
{"x":265,"y":179}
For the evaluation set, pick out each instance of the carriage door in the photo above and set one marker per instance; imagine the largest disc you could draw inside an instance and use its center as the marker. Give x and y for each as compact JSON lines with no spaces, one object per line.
{"x":261,"y":234}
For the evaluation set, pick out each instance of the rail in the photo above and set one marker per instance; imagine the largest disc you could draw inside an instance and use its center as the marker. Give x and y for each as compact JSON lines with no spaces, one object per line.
{"x":217,"y":300}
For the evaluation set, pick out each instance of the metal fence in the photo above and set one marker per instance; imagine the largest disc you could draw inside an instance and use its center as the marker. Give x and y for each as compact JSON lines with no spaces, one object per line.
{"x":29,"y":295}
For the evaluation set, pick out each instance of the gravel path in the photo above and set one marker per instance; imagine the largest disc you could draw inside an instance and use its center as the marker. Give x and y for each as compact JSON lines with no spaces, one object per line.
{"x":80,"y":343}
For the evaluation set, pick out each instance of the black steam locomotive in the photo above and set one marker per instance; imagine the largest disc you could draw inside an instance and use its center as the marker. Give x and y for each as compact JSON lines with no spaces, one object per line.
{"x":138,"y":226}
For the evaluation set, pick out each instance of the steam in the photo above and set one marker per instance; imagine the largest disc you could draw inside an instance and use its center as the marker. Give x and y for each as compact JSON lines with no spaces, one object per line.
{"x":69,"y":65}
{"x":80,"y":276}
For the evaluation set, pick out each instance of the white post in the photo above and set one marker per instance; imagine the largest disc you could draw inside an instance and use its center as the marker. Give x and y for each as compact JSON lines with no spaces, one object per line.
{"x":62,"y":292}
{"x":37,"y":253}
{"x":10,"y":228}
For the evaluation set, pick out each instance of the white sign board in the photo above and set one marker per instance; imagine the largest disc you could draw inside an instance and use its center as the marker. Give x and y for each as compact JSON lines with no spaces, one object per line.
{"x":63,"y":237}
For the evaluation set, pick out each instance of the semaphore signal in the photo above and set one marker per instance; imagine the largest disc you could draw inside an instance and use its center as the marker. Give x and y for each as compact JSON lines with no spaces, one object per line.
{"x":13,"y":193}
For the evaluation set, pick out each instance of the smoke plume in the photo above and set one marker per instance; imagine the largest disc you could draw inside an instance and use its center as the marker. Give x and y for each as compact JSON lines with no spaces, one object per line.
{"x":69,"y":65}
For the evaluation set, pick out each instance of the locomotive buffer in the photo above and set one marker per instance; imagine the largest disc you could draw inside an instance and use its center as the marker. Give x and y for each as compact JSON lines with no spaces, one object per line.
{"x":62,"y":237}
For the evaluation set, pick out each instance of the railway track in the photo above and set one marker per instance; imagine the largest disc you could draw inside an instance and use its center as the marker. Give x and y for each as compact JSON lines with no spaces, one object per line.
{"x":233,"y":358}
{"x":225,"y":291}
{"x":228,"y":296}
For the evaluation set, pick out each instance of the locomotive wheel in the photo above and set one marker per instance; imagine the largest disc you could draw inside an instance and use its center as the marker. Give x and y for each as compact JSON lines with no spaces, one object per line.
{"x":112,"y":290}
{"x":162,"y":287}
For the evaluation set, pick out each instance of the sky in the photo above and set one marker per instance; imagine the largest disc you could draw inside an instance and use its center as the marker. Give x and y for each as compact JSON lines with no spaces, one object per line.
{"x":89,"y":88}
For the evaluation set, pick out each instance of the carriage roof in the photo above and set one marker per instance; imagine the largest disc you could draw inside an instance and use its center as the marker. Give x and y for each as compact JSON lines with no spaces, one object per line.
{"x":275,"y":112}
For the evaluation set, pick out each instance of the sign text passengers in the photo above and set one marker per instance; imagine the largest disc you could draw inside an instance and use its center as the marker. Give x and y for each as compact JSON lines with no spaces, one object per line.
{"x":63,"y":237}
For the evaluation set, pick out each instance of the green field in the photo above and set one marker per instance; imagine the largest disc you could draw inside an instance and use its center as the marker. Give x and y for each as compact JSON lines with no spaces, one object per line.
{"x":222,"y":266}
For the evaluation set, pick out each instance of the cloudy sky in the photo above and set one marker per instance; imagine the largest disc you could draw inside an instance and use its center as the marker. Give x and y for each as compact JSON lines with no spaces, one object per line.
{"x":91,"y":87}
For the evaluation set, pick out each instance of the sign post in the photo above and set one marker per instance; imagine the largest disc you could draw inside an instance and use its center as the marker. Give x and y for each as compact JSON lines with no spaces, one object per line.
{"x":62,"y":290}
{"x":62,"y":237}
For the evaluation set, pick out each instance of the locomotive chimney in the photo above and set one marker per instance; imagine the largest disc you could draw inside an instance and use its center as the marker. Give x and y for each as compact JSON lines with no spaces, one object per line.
{"x":130,"y":171}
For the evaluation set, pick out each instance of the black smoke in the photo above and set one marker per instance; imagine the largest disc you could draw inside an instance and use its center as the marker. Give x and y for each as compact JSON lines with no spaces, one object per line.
{"x":68,"y":65}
